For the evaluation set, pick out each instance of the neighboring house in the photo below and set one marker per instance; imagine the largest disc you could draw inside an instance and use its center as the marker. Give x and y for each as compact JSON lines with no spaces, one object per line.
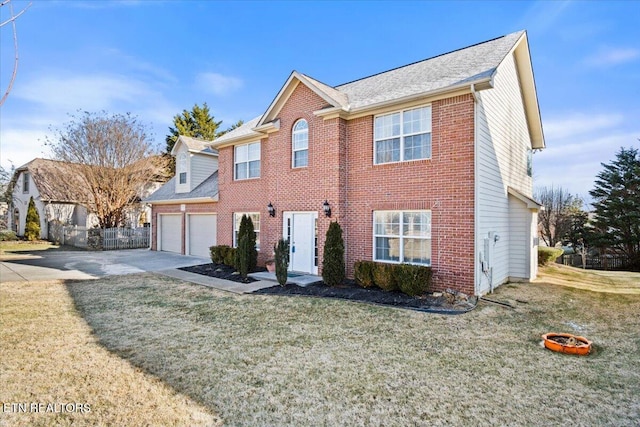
{"x":429,"y":163}
{"x":58,"y":192}
{"x":184,"y":209}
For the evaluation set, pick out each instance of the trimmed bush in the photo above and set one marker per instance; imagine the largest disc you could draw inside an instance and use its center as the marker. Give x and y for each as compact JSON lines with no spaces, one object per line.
{"x":223,"y":254}
{"x":7,"y":235}
{"x":413,"y":280}
{"x":281,"y":250}
{"x":32,"y":227}
{"x":384,"y":277}
{"x":230,"y":257}
{"x":333,"y":268}
{"x":363,"y":273}
{"x":548,"y":255}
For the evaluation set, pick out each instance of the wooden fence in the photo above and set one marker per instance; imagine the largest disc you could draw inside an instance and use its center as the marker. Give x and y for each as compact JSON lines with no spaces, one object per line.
{"x":126,"y":238}
{"x":100,"y":239}
{"x":604,"y":262}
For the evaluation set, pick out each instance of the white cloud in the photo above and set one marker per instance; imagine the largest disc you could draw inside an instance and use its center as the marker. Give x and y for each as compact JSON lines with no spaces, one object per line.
{"x":609,"y":57}
{"x":86,"y":92}
{"x":579,"y":124}
{"x":218,"y":84}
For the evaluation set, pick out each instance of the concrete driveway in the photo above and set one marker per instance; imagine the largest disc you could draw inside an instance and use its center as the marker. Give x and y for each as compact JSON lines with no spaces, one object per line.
{"x":54,"y":265}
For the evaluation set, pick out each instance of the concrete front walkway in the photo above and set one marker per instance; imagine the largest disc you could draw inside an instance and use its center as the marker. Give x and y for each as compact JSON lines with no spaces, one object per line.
{"x":214,"y":282}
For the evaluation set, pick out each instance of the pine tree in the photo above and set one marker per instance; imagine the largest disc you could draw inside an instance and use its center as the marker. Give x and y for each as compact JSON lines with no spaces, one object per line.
{"x":617,"y":205}
{"x":32,"y":226}
{"x":197,"y":123}
{"x":246,"y":254}
{"x":333,"y":266}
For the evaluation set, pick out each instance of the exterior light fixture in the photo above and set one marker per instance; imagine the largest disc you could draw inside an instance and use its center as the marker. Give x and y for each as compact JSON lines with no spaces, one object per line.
{"x":271,"y":209}
{"x":326,"y":208}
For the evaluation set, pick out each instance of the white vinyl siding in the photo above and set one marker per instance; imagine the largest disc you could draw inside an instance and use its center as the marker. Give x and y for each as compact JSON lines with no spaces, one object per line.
{"x":402,"y":136}
{"x":246,"y":159}
{"x":255,"y":219}
{"x":300,"y":144}
{"x":202,"y":166}
{"x":502,"y":144}
{"x":402,"y":236}
{"x":182,"y":170}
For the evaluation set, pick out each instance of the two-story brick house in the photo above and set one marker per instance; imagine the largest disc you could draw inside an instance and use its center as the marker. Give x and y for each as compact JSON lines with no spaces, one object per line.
{"x":429,"y":163}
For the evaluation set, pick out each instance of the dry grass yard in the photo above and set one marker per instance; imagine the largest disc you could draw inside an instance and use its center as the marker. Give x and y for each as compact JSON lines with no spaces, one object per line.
{"x":49,"y":356}
{"x":275,"y":361}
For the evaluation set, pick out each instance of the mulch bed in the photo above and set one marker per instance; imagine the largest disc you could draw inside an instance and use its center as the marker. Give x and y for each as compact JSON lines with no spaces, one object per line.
{"x":349,"y":290}
{"x":221,"y":271}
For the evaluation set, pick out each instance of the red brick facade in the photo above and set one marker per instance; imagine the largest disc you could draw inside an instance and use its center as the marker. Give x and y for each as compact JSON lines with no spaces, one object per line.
{"x":341,"y":170}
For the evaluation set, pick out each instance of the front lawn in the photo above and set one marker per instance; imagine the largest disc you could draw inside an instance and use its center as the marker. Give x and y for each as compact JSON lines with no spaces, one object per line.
{"x":266,"y":360}
{"x":150,"y":350}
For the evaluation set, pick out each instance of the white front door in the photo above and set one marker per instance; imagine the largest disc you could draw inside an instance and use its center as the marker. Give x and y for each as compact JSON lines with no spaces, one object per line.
{"x":300,"y":229}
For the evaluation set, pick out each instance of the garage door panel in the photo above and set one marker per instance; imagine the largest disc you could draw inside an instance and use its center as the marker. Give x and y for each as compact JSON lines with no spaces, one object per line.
{"x":171,"y":233}
{"x":202,"y":234}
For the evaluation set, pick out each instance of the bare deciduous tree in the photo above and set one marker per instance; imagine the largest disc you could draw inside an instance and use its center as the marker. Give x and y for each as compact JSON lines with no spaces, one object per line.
{"x":115,"y":159}
{"x":554,"y":220}
{"x":12,"y":20}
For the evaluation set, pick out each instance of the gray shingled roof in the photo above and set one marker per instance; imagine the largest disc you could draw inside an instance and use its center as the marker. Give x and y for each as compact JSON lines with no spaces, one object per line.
{"x":245,"y":130}
{"x":464,"y":66}
{"x":207,"y":189}
{"x":197,"y":145}
{"x":57,"y":181}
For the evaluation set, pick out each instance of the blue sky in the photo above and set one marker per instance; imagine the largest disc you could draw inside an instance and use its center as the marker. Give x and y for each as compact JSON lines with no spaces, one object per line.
{"x":156,"y":58}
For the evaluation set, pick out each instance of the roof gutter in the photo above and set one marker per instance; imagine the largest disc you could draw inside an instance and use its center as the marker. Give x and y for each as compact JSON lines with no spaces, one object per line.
{"x":180,"y":201}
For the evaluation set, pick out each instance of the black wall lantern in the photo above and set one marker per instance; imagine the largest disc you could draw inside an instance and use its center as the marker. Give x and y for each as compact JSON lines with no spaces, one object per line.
{"x":271,"y":209}
{"x":326,"y":208}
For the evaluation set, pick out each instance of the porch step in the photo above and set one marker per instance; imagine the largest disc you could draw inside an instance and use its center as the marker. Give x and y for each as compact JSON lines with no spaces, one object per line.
{"x":296,"y":278}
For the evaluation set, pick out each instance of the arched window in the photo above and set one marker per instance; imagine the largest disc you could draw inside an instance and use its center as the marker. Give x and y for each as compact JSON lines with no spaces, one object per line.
{"x":300,"y":142}
{"x":16,"y":220}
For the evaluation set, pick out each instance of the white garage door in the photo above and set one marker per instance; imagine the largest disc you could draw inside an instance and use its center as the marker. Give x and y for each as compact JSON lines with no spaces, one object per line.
{"x":171,"y":233}
{"x":202,"y":234}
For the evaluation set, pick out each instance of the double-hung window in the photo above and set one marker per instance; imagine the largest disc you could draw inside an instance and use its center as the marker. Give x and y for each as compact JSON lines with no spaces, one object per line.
{"x":402,"y":236}
{"x":402,"y":136}
{"x":255,"y":219}
{"x":246,"y":161}
{"x":300,"y":142}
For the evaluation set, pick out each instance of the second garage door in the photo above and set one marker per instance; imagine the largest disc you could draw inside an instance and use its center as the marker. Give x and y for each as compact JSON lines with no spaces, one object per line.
{"x":171,"y":233}
{"x":202,"y":234}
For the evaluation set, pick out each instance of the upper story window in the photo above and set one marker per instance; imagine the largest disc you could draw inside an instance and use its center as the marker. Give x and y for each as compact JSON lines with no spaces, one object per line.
{"x":300,"y":141}
{"x":402,"y":136}
{"x":25,"y":182}
{"x":530,"y":162}
{"x":182,"y":168}
{"x":246,"y":160}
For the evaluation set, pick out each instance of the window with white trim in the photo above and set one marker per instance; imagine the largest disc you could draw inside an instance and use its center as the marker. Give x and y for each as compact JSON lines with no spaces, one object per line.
{"x":182,"y":168}
{"x":300,"y":143}
{"x":402,"y":236}
{"x":246,"y":159}
{"x":402,"y":136}
{"x":255,"y":219}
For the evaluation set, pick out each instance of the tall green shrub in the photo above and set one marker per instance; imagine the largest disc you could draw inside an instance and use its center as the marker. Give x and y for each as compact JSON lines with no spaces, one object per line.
{"x":246,"y":254}
{"x":32,"y":227}
{"x":281,"y":250}
{"x":333,"y":269}
{"x":548,"y":255}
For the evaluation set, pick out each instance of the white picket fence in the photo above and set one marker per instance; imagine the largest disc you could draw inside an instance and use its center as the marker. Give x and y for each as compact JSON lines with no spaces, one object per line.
{"x":126,"y":238}
{"x":110,"y":238}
